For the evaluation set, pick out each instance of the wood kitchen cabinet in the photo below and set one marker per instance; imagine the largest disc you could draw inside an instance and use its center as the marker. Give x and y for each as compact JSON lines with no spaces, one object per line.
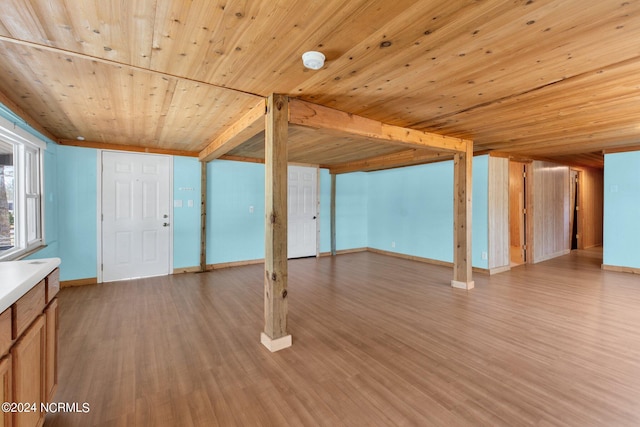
{"x":51,"y":352}
{"x":5,"y":389}
{"x":29,"y":350}
{"x":28,"y":359}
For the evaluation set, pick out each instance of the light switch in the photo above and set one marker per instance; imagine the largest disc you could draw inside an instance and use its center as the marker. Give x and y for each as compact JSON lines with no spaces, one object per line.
{"x":177,"y":203}
{"x":189,"y":203}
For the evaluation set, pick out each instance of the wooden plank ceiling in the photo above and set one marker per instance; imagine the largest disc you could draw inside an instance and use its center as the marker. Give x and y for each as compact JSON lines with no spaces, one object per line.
{"x":532,"y":78}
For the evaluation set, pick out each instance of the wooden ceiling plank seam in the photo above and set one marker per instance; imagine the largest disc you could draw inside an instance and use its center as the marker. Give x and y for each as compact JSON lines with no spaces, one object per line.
{"x":114,"y":62}
{"x":248,"y":126}
{"x":122,"y":147}
{"x":307,"y":114}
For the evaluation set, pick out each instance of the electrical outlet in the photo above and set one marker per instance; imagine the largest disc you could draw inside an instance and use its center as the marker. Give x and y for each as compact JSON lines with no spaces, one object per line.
{"x":393,"y":244}
{"x":484,"y":255}
{"x":250,"y":209}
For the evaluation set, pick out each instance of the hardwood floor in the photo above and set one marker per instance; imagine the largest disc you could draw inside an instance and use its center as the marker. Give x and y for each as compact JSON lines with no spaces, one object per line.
{"x":376,"y":341}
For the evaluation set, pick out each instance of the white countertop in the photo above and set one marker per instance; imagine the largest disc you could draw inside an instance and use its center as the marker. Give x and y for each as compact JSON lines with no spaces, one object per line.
{"x":18,"y":277}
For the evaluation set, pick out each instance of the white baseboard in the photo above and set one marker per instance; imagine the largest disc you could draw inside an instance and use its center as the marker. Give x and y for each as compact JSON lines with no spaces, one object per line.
{"x":275,"y":344}
{"x":463,"y":285}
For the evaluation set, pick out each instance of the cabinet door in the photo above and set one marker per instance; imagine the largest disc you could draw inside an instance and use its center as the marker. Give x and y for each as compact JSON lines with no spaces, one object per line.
{"x":28,"y":357}
{"x":5,"y":389}
{"x":51,"y":357}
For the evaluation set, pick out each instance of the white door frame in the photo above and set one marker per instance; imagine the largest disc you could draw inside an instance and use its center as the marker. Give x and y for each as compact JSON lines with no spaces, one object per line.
{"x":318,"y":192}
{"x":99,"y":208}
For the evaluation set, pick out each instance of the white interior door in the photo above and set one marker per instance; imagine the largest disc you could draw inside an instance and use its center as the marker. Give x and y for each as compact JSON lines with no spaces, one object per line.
{"x":136,"y":208}
{"x":303,"y":211}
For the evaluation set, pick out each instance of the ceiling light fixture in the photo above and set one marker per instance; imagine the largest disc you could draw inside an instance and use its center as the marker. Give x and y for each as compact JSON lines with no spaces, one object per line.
{"x":80,"y":138}
{"x":313,"y":60}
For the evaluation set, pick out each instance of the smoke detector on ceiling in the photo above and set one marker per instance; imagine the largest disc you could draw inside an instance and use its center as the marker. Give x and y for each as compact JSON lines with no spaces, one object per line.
{"x":313,"y":60}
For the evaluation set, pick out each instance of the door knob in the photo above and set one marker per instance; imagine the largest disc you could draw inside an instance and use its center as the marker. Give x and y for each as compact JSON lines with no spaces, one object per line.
{"x":314,"y":217}
{"x":166,"y":224}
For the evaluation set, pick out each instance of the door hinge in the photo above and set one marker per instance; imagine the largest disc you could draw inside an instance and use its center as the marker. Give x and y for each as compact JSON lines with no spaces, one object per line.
{"x":524,"y":174}
{"x":524,"y":211}
{"x":524,"y":247}
{"x":101,"y":267}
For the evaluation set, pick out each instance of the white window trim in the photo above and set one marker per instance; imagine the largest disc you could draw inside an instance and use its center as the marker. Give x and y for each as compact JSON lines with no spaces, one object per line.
{"x":11,"y":132}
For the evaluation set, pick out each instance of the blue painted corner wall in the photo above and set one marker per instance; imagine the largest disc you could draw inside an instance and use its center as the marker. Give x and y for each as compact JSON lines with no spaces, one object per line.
{"x":621,"y":209}
{"x":411,"y":211}
{"x":410,"y":207}
{"x":186,"y":212}
{"x":77,"y":226}
{"x":235,"y":211}
{"x":352,"y":207}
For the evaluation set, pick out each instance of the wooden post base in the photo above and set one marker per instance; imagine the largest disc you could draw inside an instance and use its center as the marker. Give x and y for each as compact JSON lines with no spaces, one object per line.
{"x":463,"y":285}
{"x":275,"y":344}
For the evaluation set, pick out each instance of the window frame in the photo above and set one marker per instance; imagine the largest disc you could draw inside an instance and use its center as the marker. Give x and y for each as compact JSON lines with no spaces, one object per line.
{"x":24,"y":144}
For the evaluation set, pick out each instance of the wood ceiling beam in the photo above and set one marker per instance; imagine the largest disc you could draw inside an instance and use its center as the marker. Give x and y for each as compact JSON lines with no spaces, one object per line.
{"x":319,"y":117}
{"x":132,"y":148}
{"x":248,"y":126}
{"x":635,"y":147}
{"x":388,"y":161}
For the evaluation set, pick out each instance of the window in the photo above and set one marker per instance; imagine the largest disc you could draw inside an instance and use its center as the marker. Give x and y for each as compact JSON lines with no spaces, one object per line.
{"x":20,"y":191}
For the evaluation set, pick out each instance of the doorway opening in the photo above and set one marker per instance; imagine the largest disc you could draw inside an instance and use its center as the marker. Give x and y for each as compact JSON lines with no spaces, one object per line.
{"x":518,"y":213}
{"x":574,"y":218}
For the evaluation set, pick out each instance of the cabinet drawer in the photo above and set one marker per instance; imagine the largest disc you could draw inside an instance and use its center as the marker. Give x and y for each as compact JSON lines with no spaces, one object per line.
{"x":5,"y":331}
{"x":27,"y":308}
{"x":53,"y":285}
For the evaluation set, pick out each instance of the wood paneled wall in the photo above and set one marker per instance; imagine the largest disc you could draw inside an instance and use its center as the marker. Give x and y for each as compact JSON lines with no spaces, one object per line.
{"x":550,"y":210}
{"x":498,"y":212}
{"x":591,"y":187}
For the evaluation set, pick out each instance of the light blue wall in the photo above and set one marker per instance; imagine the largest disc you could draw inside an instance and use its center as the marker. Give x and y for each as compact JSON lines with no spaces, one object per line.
{"x":622,"y":209}
{"x":325,"y":211}
{"x":71,"y":211}
{"x":233,"y":232}
{"x":351,"y":210}
{"x":236,"y":234}
{"x":371,"y":210}
{"x":77,"y":212}
{"x":413,"y":208}
{"x":186,"y":219}
{"x":480,"y":212}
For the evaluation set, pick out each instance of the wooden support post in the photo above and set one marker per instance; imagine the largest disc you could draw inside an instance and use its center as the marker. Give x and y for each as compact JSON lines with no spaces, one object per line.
{"x":333,"y":214}
{"x":275,"y":335}
{"x":462,"y":174}
{"x":203,"y":216}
